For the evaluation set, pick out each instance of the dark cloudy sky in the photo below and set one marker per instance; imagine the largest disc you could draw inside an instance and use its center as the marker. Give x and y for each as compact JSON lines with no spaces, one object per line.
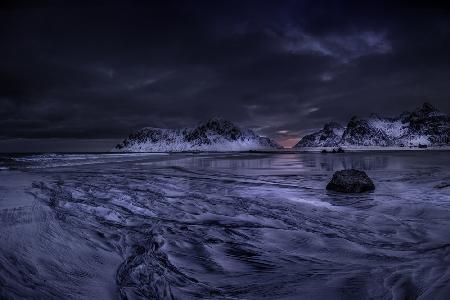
{"x":80,"y":76}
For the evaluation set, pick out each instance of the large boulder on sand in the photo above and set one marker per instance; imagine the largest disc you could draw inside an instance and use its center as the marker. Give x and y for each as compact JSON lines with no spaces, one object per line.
{"x":350,"y":181}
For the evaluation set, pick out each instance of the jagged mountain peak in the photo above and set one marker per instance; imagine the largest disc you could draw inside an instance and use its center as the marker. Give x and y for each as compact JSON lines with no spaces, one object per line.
{"x":216,"y":121}
{"x":332,"y":125}
{"x":220,"y":126}
{"x":375,"y":116}
{"x":426,"y":108}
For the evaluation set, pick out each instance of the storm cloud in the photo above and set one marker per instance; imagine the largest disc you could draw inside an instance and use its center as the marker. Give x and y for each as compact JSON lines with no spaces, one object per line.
{"x":91,"y":73}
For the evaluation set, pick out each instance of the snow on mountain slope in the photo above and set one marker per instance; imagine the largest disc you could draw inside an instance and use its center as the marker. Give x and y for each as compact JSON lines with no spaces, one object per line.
{"x":428,"y":122}
{"x":424,"y":126}
{"x":361,"y":132}
{"x":213,"y":135}
{"x":392,"y":127}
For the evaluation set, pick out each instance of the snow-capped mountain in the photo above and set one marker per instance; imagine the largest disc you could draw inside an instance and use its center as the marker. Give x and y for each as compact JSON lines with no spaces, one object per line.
{"x":424,"y":126}
{"x":329,"y":136}
{"x":212,"y":135}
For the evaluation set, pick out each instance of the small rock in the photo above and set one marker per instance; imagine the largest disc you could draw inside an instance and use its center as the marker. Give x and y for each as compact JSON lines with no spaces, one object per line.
{"x":350,"y":181}
{"x":334,"y":150}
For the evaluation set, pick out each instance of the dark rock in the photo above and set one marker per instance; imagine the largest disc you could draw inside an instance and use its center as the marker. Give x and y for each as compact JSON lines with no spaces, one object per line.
{"x":442,"y":185}
{"x":422,"y":146}
{"x":334,"y":150}
{"x":350,"y":181}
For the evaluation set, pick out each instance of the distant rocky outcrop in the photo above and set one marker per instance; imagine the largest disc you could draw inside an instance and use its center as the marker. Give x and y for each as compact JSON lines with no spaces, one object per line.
{"x":350,"y":181}
{"x":212,"y":135}
{"x":329,"y":136}
{"x":425,"y":126}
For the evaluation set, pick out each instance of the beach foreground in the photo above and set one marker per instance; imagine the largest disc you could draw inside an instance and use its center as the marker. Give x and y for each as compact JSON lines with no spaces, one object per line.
{"x":223,"y":226}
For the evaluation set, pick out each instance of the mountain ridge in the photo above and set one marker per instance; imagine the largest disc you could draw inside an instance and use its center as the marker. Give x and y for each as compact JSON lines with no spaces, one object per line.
{"x":426,"y":125}
{"x":216,"y":134}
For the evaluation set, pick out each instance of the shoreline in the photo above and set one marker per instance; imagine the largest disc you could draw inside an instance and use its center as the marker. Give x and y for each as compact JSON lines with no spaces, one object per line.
{"x":371,"y":149}
{"x":279,"y":151}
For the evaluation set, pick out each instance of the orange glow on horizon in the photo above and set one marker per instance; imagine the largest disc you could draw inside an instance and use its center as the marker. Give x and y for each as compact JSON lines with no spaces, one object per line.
{"x":288,"y":143}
